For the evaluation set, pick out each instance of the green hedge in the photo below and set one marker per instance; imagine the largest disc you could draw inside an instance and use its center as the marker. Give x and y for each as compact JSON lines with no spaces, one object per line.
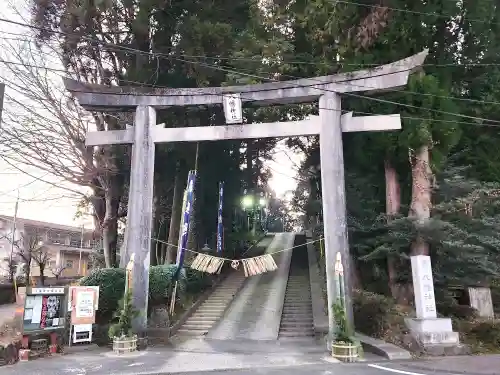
{"x":111,"y":282}
{"x":197,"y":281}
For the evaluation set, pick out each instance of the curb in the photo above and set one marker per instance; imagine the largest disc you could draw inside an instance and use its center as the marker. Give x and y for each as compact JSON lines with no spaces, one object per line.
{"x":383,"y":349}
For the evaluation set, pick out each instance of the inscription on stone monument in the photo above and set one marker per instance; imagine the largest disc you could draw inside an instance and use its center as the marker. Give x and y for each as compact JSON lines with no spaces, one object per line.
{"x":423,"y":286}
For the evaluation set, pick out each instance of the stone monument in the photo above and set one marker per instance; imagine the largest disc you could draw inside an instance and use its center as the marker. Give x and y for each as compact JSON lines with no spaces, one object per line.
{"x":428,"y":333}
{"x":480,"y":299}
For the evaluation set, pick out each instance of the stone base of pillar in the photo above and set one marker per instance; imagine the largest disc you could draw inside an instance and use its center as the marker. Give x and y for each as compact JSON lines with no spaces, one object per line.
{"x":434,"y":337}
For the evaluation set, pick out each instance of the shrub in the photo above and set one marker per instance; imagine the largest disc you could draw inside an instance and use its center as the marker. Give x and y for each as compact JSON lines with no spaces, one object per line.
{"x":160,"y":283}
{"x":343,"y":331}
{"x":481,"y":335}
{"x":124,"y":314}
{"x":111,"y":282}
{"x":379,"y":316}
{"x":454,"y":310}
{"x":197,"y":281}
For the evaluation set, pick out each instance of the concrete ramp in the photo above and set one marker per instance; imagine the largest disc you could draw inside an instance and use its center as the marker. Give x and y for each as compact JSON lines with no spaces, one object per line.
{"x":255,"y":313}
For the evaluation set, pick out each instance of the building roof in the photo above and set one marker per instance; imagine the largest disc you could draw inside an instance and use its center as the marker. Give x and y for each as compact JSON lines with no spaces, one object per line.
{"x":44,"y":224}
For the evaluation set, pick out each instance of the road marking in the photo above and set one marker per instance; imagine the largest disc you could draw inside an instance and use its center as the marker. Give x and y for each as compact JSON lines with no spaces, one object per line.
{"x":394,"y":370}
{"x":136,"y":364}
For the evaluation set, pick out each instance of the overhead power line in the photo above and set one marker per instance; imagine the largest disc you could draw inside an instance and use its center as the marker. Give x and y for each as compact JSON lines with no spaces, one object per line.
{"x":251,"y":75}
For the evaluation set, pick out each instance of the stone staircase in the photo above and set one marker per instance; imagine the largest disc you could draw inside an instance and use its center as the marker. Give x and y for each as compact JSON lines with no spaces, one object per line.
{"x":212,"y":310}
{"x":297,"y":317}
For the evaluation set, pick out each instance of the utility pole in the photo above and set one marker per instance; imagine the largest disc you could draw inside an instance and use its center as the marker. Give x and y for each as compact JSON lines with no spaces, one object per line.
{"x":81,"y":248}
{"x":13,"y":234}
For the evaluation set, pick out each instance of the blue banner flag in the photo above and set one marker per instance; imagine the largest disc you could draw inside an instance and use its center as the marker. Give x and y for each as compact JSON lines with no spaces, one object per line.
{"x":186,"y":216}
{"x":220,"y":228}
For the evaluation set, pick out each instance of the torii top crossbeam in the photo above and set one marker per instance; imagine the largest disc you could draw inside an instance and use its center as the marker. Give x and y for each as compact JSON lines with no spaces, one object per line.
{"x":389,"y":76}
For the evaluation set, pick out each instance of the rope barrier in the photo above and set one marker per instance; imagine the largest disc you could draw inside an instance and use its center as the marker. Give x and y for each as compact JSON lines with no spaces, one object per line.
{"x":241,"y":259}
{"x":251,"y":266}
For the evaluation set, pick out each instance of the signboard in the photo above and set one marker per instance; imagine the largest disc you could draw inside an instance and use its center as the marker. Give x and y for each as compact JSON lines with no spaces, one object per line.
{"x":48,"y":290}
{"x":232,"y":108}
{"x":76,"y":287}
{"x":84,"y":303}
{"x":44,"y":309}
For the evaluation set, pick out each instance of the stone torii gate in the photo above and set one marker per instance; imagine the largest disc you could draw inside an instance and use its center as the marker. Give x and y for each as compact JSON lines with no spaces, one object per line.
{"x":329,"y":125}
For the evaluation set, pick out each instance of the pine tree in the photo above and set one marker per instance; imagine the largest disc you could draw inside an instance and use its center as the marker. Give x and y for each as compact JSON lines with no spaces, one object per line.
{"x":125,"y":315}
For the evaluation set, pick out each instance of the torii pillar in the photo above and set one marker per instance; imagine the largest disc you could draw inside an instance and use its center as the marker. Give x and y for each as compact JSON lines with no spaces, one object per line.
{"x":329,"y":125}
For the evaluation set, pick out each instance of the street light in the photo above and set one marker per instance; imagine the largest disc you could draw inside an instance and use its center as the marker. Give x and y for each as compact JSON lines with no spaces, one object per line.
{"x":247,"y":202}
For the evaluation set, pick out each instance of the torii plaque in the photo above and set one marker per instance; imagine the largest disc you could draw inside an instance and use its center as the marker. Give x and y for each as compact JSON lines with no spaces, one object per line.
{"x":329,"y":125}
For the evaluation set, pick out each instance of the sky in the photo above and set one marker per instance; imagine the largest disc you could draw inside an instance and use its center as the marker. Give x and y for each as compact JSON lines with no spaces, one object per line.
{"x":39,"y":200}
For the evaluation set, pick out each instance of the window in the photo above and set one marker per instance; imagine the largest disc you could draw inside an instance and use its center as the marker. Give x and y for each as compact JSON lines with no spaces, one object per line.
{"x":75,"y":241}
{"x":69,"y":264}
{"x":56,"y":238}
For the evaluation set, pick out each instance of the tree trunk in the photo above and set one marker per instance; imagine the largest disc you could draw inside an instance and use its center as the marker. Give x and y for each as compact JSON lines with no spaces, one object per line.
{"x":175,"y":219}
{"x":27,"y":271}
{"x":110,"y":226}
{"x":420,"y":208}
{"x":249,"y":152}
{"x":393,"y":206}
{"x":106,"y":202}
{"x":41,"y":267}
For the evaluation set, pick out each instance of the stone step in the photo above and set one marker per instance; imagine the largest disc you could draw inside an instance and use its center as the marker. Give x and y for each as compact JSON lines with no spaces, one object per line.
{"x":206,"y":316}
{"x":220,"y":300}
{"x":213,"y":305}
{"x":202,"y":320}
{"x":295,"y":316}
{"x":212,"y":312}
{"x":297,"y":324}
{"x":297,"y":309}
{"x":212,"y":308}
{"x":186,"y":332}
{"x":197,"y":327}
{"x":302,"y":295}
{"x":215,"y":313}
{"x":296,"y":334}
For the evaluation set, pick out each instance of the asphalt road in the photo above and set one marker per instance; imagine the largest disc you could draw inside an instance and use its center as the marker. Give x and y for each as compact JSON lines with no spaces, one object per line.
{"x":156,"y":363}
